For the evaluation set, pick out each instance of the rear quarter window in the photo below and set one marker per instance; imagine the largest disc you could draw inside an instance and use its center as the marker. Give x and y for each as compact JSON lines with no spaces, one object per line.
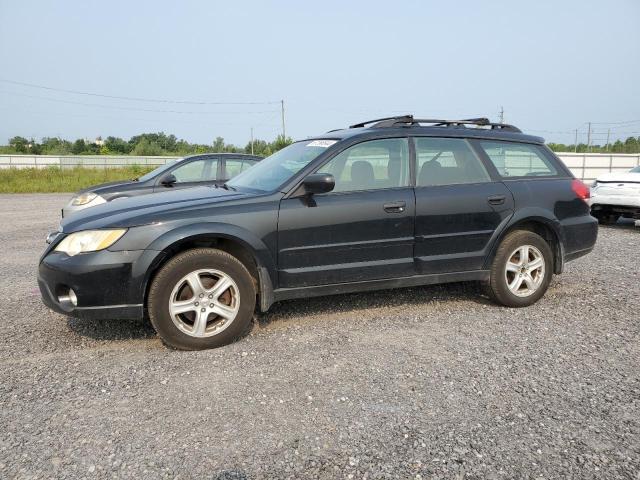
{"x":519,"y":159}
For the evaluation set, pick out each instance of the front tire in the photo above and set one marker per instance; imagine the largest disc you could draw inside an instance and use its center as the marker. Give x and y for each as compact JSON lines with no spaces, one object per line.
{"x":521,"y":270}
{"x":202,"y":298}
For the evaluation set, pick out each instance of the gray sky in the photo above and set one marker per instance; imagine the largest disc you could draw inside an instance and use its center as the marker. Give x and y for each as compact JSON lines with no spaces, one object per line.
{"x":553,"y":65}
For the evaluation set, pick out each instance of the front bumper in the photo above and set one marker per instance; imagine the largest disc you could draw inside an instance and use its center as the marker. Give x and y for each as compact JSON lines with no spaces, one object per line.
{"x":627,"y":205}
{"x":630,"y":201}
{"x":107,"y":284}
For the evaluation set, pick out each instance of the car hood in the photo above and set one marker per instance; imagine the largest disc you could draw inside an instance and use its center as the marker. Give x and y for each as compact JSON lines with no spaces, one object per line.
{"x":146,"y":209}
{"x":621,"y":177}
{"x":105,"y":187}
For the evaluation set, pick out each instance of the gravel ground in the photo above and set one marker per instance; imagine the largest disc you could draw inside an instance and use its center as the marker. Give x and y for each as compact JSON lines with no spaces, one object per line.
{"x":432,"y":382}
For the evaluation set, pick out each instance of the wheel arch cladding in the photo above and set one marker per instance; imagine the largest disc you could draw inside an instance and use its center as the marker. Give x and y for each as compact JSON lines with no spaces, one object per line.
{"x":540,"y":223}
{"x":245,"y":246}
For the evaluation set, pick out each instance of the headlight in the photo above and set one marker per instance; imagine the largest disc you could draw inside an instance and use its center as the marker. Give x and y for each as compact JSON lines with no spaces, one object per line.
{"x":85,"y":198}
{"x":89,"y":241}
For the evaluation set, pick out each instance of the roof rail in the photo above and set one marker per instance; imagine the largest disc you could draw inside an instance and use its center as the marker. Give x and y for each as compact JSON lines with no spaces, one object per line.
{"x":408,"y":120}
{"x":398,"y":118}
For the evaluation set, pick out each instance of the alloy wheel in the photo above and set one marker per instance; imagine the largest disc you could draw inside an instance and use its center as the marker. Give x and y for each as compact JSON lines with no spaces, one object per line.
{"x":525,"y":270}
{"x":204,"y":302}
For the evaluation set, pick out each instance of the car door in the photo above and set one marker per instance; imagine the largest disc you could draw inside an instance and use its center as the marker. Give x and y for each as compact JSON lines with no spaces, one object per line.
{"x":192,"y":173}
{"x":362,"y":230}
{"x":458,"y":206}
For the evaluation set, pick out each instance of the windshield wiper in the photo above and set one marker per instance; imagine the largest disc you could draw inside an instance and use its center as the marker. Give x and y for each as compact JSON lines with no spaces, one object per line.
{"x":226,"y":186}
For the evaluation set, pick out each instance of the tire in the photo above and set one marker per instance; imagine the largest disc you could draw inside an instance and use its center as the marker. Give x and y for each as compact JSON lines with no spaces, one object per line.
{"x":607,"y":219}
{"x":192,"y":308}
{"x":532,"y":287}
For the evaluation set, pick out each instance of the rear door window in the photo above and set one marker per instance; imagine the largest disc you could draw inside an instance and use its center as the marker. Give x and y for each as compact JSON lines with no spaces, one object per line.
{"x":519,"y":159}
{"x":197,"y":171}
{"x":235,"y":165}
{"x":447,"y":161}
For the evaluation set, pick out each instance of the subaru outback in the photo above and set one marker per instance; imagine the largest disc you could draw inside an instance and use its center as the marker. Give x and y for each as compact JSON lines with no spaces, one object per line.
{"x":394,"y":202}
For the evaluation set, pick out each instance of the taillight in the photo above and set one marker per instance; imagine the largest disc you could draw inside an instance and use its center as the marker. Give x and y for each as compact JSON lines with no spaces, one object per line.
{"x":580,"y":189}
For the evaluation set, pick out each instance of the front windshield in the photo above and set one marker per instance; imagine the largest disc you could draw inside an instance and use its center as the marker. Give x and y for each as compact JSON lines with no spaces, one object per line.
{"x":273,"y":171}
{"x":156,"y":171}
{"x":635,"y":170}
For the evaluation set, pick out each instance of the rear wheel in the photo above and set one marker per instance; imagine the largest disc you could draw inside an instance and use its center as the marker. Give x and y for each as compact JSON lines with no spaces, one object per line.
{"x":202,"y":298}
{"x":607,"y":218}
{"x":521,"y":270}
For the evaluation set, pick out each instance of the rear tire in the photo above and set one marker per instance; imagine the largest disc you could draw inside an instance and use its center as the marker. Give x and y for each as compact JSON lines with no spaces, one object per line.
{"x":202,"y":298}
{"x":521,"y":270}
{"x":607,"y":219}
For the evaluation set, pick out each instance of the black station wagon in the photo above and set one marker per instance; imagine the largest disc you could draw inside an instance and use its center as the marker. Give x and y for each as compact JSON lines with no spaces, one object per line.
{"x":389,"y":203}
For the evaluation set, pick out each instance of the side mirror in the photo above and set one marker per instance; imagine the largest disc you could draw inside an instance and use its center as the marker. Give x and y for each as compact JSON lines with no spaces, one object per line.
{"x":168,"y":180}
{"x":318,"y":183}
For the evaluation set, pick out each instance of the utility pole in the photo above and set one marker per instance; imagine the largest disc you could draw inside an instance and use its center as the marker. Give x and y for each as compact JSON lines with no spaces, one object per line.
{"x":589,"y":138}
{"x":501,"y":114}
{"x":575,"y":144}
{"x":608,"y":133}
{"x":251,"y":140}
{"x":284,"y":133}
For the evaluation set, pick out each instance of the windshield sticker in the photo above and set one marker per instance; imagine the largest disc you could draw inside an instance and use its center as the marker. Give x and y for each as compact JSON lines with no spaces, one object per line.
{"x":321,"y":143}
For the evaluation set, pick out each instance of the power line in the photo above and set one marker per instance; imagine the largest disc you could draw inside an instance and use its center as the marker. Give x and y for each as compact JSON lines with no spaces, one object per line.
{"x":118,"y":107}
{"x":138,"y":119}
{"x":133,"y":99}
{"x":626,"y":122}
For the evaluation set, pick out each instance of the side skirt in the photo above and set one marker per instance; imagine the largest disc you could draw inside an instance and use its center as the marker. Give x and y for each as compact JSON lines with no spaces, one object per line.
{"x":382,"y":284}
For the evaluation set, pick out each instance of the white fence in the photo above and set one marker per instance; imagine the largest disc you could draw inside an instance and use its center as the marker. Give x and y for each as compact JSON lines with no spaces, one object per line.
{"x":69,"y":161}
{"x":586,"y":166}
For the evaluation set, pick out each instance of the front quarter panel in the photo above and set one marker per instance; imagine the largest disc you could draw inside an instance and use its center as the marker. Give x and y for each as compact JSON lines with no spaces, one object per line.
{"x":252,"y":223}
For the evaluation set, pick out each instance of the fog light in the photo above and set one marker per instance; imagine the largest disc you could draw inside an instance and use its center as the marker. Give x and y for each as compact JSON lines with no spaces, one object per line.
{"x":68,"y":299}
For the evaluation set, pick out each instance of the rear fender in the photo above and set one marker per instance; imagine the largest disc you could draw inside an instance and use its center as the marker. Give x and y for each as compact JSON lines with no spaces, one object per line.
{"x":534,"y":215}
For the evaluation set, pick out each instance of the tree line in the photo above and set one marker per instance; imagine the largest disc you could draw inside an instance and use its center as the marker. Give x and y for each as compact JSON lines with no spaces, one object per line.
{"x":630,"y":145}
{"x":152,"y":144}
{"x":146,"y":144}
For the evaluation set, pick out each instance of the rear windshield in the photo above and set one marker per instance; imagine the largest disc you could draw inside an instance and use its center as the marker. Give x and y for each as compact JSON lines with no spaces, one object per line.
{"x":519,"y":159}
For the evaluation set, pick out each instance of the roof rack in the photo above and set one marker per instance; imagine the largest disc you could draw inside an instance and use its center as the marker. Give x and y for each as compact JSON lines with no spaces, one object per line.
{"x":408,"y":120}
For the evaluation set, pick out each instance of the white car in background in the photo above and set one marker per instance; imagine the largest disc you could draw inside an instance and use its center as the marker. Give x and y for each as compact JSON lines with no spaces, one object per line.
{"x":616,"y":194}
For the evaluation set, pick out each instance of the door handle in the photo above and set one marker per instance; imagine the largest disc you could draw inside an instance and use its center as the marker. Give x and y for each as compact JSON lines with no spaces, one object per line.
{"x":394,"y":207}
{"x":496,"y":199}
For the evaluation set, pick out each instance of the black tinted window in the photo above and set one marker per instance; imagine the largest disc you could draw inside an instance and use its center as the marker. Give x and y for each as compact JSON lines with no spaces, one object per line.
{"x":447,"y":161}
{"x":371,"y":165}
{"x":519,"y":159}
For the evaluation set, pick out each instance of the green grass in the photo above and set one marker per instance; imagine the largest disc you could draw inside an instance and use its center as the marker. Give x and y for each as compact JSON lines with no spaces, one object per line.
{"x":56,"y":179}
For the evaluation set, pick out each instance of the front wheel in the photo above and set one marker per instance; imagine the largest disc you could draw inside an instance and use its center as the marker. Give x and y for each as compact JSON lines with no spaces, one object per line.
{"x":521,"y":270}
{"x":202,"y":298}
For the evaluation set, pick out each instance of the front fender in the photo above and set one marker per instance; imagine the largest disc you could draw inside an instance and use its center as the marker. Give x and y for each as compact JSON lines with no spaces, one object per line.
{"x":246,"y":238}
{"x":155,"y":251}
